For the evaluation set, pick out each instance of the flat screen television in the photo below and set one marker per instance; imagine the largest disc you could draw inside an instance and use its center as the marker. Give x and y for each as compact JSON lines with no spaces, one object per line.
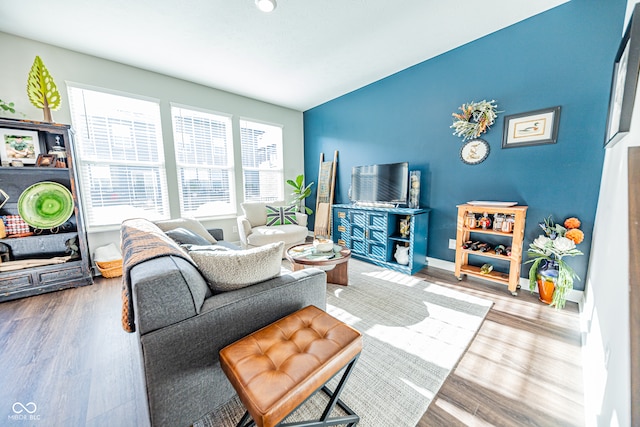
{"x":384,"y":184}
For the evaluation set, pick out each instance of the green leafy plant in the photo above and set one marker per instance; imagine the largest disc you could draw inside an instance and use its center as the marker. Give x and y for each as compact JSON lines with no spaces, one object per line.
{"x":7,"y":106}
{"x":300,"y":192}
{"x":42,"y":90}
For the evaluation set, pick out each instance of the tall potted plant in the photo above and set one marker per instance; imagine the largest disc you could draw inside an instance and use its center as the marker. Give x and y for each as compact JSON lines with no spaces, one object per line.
{"x":300,"y":192}
{"x":549,"y":271}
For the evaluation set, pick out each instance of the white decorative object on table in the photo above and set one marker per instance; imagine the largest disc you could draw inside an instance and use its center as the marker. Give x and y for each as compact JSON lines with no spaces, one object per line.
{"x":323,"y":245}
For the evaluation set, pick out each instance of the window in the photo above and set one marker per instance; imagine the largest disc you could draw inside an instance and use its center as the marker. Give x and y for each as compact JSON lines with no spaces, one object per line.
{"x":204,"y":160}
{"x":262,"y":167}
{"x":119,"y":155}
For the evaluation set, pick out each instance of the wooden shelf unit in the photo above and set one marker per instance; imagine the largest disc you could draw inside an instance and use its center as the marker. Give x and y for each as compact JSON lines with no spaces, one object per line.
{"x":50,"y":243}
{"x":513,"y":239}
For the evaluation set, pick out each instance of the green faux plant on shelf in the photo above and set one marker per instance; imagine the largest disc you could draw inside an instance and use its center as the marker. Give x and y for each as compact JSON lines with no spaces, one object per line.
{"x":7,"y":106}
{"x":42,"y":90}
{"x":300,"y":192}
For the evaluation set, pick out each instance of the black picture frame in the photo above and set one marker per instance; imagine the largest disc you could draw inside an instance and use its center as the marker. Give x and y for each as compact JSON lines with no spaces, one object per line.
{"x":536,"y":127}
{"x":624,"y":82}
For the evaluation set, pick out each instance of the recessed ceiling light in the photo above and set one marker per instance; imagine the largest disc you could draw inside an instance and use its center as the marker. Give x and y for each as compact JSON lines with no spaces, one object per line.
{"x":266,"y":5}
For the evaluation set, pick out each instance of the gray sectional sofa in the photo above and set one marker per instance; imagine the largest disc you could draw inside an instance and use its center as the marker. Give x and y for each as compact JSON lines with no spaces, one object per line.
{"x":181,"y":326}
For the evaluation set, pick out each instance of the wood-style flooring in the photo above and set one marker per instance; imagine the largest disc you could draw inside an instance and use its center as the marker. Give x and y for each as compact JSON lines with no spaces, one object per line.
{"x":524,"y":367}
{"x":66,"y":353}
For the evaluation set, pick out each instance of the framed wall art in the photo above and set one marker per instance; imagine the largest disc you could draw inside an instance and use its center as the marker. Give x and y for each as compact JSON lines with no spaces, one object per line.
{"x":16,"y":144}
{"x":531,"y":128}
{"x":474,"y":151}
{"x":624,"y":82}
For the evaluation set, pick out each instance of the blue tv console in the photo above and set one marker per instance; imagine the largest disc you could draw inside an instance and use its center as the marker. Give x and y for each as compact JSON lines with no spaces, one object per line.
{"x":373,"y":234}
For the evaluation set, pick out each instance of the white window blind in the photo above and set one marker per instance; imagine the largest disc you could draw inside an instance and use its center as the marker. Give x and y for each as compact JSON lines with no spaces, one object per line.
{"x":120,"y":158}
{"x":262,"y":166}
{"x":204,"y":159}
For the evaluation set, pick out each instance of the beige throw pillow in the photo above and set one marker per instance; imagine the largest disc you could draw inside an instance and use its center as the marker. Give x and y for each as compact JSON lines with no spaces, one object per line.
{"x":188,"y":223}
{"x":230,"y":270}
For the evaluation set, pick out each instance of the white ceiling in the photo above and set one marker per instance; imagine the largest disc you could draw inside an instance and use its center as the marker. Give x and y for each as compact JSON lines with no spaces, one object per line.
{"x":299,"y":56}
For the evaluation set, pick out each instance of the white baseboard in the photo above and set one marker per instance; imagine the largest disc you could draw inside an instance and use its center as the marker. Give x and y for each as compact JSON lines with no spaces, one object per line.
{"x":574,"y":295}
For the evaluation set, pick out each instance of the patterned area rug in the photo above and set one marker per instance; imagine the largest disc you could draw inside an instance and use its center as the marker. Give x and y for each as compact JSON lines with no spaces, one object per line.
{"x":414,"y":334}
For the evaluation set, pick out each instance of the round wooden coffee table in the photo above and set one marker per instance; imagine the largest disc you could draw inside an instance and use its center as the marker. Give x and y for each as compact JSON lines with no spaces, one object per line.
{"x":306,"y":254}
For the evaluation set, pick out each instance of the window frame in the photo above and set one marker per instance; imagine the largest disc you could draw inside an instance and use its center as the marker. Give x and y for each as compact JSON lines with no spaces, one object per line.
{"x":158,"y":166}
{"x":280,"y":171}
{"x":230,"y":167}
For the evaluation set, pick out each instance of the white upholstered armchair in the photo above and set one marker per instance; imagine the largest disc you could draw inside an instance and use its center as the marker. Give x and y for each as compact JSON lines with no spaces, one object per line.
{"x":257,"y":227}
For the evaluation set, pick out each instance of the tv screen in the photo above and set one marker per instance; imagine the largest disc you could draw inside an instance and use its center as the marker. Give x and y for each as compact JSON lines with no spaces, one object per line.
{"x":383,"y":184}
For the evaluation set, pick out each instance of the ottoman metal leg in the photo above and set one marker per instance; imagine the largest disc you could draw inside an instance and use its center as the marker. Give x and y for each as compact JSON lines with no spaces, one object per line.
{"x":246,"y":420}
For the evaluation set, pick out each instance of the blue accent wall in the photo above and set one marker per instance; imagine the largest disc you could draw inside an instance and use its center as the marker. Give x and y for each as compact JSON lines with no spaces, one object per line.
{"x":561,"y":57}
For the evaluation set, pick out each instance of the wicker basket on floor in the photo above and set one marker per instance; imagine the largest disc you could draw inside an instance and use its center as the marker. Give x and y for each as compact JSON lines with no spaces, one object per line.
{"x":110,"y":269}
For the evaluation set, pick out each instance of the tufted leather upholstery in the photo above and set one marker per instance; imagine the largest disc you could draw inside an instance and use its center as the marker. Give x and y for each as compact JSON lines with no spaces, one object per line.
{"x":276,"y":368}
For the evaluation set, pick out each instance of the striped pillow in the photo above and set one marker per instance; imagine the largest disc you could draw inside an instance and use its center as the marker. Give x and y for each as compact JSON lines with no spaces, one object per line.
{"x":281,"y":215}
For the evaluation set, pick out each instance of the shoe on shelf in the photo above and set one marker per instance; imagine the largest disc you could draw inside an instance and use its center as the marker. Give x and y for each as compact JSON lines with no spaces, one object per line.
{"x":484,"y":247}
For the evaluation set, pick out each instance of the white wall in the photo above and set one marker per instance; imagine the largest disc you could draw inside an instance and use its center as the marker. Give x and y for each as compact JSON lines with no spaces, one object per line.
{"x":605,"y":317}
{"x":67,"y":66}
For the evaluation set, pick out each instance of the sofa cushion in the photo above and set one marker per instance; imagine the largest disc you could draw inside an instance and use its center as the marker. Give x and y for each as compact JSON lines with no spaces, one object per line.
{"x":281,"y":215}
{"x":282,"y":233}
{"x":182,"y":236}
{"x":188,"y":223}
{"x":230,"y":270}
{"x":168,"y":290}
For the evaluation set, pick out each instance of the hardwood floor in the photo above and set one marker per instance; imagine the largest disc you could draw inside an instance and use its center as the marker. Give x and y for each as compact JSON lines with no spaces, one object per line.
{"x":66,"y":353}
{"x":524,"y":367}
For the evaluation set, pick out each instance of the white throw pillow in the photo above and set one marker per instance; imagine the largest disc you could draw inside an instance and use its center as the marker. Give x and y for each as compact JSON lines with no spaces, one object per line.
{"x":230,"y":270}
{"x":188,"y":223}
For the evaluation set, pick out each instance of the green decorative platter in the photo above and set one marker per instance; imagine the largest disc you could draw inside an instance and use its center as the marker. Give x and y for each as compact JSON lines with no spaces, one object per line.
{"x":45,"y":205}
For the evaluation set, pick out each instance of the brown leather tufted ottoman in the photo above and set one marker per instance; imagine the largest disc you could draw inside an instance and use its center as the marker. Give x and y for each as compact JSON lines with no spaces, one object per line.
{"x":274,"y":370}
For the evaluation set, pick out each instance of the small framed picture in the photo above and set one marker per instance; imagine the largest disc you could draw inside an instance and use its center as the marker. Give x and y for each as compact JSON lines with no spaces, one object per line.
{"x":22,"y":145}
{"x":46,"y":160}
{"x":531,"y":128}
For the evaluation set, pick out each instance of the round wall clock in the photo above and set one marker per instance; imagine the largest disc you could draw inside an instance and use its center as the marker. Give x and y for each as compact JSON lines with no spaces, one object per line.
{"x":474,"y":151}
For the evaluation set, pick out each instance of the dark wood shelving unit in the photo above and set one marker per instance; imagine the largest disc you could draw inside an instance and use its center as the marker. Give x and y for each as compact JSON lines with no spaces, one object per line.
{"x":45,"y":244}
